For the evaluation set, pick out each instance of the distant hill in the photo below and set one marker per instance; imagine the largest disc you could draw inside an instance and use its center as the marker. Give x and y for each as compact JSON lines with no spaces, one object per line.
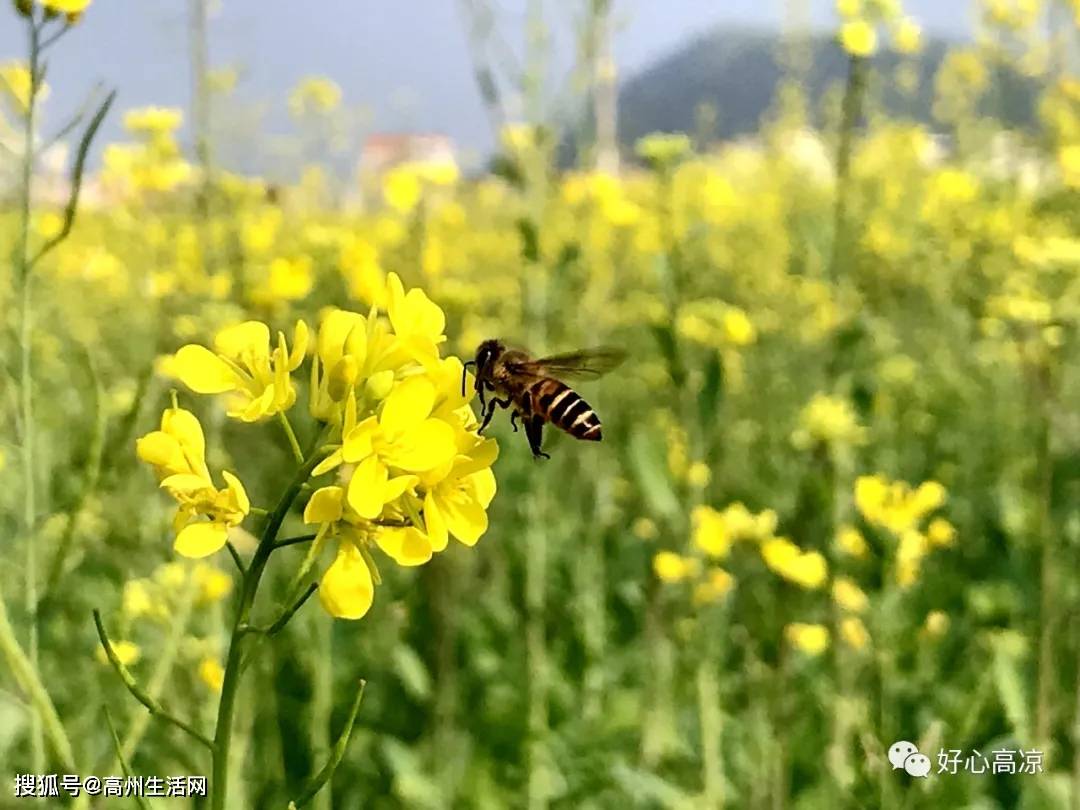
{"x":737,"y":72}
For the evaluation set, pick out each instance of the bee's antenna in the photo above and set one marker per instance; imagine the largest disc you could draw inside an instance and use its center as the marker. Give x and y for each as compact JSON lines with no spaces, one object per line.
{"x":464,"y":371}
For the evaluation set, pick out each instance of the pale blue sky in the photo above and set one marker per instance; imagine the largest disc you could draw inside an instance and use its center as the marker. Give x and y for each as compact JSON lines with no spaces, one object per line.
{"x":406,"y":61}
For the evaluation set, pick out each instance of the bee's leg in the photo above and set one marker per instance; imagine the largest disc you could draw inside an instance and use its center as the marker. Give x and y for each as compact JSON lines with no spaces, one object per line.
{"x":534,"y":431}
{"x":513,"y":420}
{"x":489,"y":411}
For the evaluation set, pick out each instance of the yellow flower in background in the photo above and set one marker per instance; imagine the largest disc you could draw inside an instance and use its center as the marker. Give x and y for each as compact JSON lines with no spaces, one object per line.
{"x":645,"y":529}
{"x":936,"y":624}
{"x":849,"y":8}
{"x":715,"y":586}
{"x":893,"y":505}
{"x":671,"y":567}
{"x":314,"y":95}
{"x":807,"y":569}
{"x":812,"y":639}
{"x":66,"y":6}
{"x":289,"y":279}
{"x":126,"y":651}
{"x":849,"y":596}
{"x":211,"y":673}
{"x":153,"y":121}
{"x":907,"y":38}
{"x":244,"y":366}
{"x":213,"y":584}
{"x":854,"y":632}
{"x":710,"y":533}
{"x":858,"y":38}
{"x":15,"y":85}
{"x":663,"y":149}
{"x":909,"y":556}
{"x":828,"y":420}
{"x":941,"y":533}
{"x":851,"y":542}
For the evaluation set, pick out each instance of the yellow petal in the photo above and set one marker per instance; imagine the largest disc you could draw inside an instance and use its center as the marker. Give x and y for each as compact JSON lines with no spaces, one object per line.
{"x":426,"y":446}
{"x":330,"y":462}
{"x":366,"y":488}
{"x":465,"y":517}
{"x":407,"y":405}
{"x":184,"y":425}
{"x":346,"y":589}
{"x":300,"y":344}
{"x":203,"y":371}
{"x":161,"y":450}
{"x":250,"y":338}
{"x":185,"y":482}
{"x":201,"y":539}
{"x":484,"y":482}
{"x":396,"y":487}
{"x":407,"y":547}
{"x":324,"y":506}
{"x":237,"y":491}
{"x":438,"y":534}
{"x":358,"y":441}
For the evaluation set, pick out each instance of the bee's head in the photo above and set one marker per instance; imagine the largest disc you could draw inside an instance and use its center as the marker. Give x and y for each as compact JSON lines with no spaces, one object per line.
{"x":486,"y":355}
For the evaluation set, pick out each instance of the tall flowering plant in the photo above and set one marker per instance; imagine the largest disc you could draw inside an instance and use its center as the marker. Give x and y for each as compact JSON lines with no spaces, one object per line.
{"x":397,"y":468}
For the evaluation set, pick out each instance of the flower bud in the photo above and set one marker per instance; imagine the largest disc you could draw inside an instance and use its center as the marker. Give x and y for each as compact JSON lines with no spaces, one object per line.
{"x":24,"y":7}
{"x":378,"y":385}
{"x":342,"y":376}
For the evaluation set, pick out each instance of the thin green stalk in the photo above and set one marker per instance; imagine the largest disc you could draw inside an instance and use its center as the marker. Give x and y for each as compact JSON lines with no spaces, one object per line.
{"x":851,"y":111}
{"x":711,"y":719}
{"x":233,"y":665}
{"x":26,"y":676}
{"x":1049,"y":582}
{"x":26,"y":401}
{"x":140,"y":694}
{"x":298,"y":454}
{"x":322,"y":702}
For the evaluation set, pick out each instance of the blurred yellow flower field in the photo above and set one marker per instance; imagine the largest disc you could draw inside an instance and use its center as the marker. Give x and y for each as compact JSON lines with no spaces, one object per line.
{"x":835,"y":505}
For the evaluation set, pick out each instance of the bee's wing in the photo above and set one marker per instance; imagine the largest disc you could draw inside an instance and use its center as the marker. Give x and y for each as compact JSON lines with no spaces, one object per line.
{"x":583,"y":363}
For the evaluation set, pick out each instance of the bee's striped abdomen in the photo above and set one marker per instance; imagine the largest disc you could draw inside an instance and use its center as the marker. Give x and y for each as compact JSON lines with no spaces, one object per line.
{"x":564,"y":408}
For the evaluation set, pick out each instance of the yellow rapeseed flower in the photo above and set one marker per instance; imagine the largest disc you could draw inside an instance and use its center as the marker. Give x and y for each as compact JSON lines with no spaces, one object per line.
{"x":807,"y":569}
{"x":858,"y":38}
{"x":126,"y":651}
{"x":851,"y":542}
{"x":849,"y":596}
{"x":854,"y":632}
{"x":671,"y":567}
{"x":812,"y":639}
{"x":211,"y":673}
{"x":714,"y":587}
{"x":244,"y":366}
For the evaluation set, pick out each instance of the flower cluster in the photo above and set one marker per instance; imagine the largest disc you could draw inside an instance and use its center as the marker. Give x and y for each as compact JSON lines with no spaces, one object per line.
{"x":409,"y":469}
{"x":900,"y":510}
{"x":205,"y":513}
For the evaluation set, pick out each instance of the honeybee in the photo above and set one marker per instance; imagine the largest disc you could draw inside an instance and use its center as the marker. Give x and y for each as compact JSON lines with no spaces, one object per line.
{"x":531,"y":387}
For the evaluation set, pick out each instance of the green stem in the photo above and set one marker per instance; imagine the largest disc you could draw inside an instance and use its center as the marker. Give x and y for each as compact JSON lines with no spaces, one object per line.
{"x":140,"y":694}
{"x":708,"y":694}
{"x":233,"y":664}
{"x":298,"y":454}
{"x":26,"y":676}
{"x":26,"y":377}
